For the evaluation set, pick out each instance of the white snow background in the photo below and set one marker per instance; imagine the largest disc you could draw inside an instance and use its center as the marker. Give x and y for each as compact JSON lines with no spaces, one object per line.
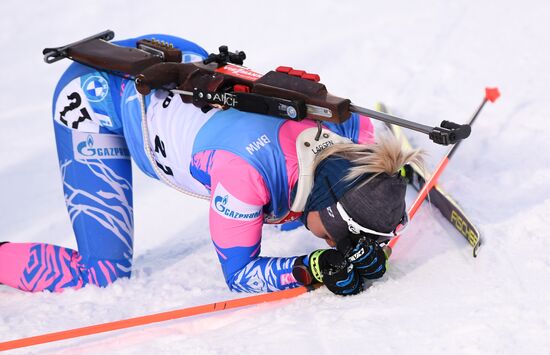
{"x":429,"y":60}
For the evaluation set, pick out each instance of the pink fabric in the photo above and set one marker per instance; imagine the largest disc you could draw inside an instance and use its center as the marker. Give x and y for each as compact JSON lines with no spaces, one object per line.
{"x":287,"y":279}
{"x":38,"y":266}
{"x":17,"y":259}
{"x":14,"y":258}
{"x":243,"y":182}
{"x":48,"y":268}
{"x":366,"y":130}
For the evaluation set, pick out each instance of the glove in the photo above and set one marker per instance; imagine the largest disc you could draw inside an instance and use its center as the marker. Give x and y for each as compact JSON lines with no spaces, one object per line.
{"x":329,"y":267}
{"x":366,"y":255}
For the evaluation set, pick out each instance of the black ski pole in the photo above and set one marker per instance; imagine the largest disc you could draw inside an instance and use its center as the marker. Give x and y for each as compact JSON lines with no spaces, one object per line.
{"x":491,"y":94}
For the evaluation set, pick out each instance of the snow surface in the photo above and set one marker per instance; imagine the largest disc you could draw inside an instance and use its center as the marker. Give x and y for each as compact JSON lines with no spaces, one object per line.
{"x":430,"y":60}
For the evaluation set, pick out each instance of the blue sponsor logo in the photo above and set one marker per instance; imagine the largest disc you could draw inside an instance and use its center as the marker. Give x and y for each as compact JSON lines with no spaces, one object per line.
{"x":220,"y":202}
{"x":96,"y":88}
{"x":87,"y":149}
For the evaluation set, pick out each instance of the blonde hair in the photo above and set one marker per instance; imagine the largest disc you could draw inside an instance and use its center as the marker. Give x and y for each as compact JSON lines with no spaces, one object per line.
{"x":386,"y":155}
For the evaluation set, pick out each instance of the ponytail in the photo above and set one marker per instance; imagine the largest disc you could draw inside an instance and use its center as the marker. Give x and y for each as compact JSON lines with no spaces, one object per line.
{"x":386,"y":155}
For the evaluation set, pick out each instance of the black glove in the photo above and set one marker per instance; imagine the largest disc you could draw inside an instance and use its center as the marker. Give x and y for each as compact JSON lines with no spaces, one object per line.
{"x":329,"y":267}
{"x":366,"y":255}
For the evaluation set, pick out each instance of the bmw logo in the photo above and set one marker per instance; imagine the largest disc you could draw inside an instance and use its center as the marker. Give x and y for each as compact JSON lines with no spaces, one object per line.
{"x":96,"y":88}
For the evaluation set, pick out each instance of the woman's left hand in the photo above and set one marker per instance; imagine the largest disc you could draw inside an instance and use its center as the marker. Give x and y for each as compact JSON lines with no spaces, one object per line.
{"x":368,"y":258}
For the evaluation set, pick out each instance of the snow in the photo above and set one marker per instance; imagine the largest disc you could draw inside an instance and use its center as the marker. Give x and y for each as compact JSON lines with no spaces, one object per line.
{"x":429,"y":60}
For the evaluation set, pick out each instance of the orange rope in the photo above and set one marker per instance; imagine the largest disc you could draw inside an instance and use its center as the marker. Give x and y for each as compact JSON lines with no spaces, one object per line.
{"x":154,"y":318}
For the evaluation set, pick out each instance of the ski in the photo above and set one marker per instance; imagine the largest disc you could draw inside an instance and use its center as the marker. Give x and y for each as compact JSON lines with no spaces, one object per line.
{"x":440,"y":199}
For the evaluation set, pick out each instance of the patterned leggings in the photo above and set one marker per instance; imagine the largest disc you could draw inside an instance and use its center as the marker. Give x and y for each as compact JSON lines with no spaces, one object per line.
{"x":97,"y":184}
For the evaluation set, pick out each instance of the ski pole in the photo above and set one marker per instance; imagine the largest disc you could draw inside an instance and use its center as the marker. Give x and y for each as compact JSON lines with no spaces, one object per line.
{"x":491,"y":94}
{"x":155,"y":318}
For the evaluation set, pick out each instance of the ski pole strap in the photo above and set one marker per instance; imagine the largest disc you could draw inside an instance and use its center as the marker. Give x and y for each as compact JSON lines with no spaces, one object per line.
{"x":314,"y":264}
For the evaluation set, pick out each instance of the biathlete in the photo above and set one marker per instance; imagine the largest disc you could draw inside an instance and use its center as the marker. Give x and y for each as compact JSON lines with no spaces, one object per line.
{"x":254,"y":169}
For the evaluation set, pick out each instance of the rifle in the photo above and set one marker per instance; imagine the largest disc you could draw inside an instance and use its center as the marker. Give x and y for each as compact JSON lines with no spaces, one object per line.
{"x":221,"y":81}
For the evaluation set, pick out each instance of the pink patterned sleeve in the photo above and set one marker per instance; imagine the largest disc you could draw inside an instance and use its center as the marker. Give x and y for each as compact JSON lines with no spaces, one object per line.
{"x":238,"y":196}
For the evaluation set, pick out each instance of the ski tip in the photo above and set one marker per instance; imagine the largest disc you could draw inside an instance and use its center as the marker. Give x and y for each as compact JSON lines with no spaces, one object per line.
{"x":476,"y":248}
{"x":492,"y":94}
